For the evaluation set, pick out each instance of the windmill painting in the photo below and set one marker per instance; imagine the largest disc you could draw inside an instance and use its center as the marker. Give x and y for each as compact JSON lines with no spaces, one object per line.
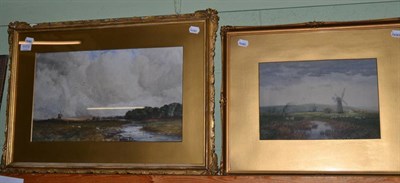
{"x":323,"y":99}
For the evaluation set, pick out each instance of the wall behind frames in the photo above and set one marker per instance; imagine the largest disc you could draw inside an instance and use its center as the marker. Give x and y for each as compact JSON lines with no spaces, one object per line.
{"x":233,"y":12}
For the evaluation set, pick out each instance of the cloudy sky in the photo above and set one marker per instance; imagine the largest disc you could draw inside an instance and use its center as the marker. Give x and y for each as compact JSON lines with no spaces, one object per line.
{"x":318,"y":81}
{"x":70,"y":82}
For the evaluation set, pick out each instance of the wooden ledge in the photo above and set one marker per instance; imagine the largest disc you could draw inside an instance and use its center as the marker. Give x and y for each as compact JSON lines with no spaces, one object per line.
{"x":92,"y":178}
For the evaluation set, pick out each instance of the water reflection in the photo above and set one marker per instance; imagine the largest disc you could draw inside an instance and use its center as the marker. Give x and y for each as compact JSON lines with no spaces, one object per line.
{"x":134,"y":132}
{"x":320,"y":130}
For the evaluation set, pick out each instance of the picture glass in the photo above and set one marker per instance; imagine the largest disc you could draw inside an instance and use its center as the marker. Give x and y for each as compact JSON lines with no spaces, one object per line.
{"x":325,"y":99}
{"x":108,"y":95}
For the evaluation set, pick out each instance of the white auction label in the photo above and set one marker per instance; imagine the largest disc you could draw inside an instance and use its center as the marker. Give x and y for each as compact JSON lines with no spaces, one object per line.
{"x":243,"y":43}
{"x":26,"y":47}
{"x":395,"y":33}
{"x":194,"y":29}
{"x":29,"y":40}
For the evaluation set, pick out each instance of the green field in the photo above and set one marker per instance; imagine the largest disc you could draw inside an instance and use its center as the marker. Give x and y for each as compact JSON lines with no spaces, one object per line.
{"x":100,"y":130}
{"x":173,"y":127}
{"x":300,"y":125}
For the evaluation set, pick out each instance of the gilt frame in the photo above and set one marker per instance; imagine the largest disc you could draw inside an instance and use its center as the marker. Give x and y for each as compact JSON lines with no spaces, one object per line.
{"x":244,"y":48}
{"x":193,"y":155}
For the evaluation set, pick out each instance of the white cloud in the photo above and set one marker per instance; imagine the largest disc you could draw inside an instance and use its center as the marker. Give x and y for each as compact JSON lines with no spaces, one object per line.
{"x":69,"y":82}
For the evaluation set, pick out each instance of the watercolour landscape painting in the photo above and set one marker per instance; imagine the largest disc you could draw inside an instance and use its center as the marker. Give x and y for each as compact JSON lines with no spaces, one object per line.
{"x":323,"y":99}
{"x":108,"y":95}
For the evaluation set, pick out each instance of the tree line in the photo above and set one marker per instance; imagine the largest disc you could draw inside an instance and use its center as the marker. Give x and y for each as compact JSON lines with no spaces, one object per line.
{"x":172,"y":110}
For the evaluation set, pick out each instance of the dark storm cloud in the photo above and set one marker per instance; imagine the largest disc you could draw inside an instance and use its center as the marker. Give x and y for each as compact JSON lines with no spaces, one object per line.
{"x":70,"y":82}
{"x":292,"y":72}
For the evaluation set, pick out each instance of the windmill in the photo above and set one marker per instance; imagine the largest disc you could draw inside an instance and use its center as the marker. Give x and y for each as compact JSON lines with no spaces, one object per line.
{"x":285,"y":109}
{"x":339,"y":100}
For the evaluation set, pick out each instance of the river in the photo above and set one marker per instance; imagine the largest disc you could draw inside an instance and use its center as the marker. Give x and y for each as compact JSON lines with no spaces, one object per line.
{"x":133,"y":132}
{"x":319,"y":130}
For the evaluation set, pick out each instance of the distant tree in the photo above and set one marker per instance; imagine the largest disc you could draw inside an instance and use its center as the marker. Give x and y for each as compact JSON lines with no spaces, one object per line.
{"x":314,"y":108}
{"x":328,"y":110}
{"x":271,"y":110}
{"x":172,"y":110}
{"x":178,"y":110}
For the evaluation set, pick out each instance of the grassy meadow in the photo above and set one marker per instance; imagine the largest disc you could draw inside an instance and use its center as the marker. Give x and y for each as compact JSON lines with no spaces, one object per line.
{"x":100,"y":130}
{"x":300,"y":125}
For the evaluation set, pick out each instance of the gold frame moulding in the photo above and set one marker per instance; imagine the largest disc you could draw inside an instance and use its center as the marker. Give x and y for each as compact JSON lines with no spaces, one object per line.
{"x":194,"y":33}
{"x":270,"y":99}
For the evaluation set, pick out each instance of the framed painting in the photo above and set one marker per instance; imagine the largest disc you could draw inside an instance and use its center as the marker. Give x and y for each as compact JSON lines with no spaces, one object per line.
{"x":318,"y":97}
{"x":126,"y":95}
{"x":3,"y":70}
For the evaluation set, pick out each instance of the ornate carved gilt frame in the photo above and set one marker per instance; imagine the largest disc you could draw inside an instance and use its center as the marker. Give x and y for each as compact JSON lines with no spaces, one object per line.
{"x":203,"y":161}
